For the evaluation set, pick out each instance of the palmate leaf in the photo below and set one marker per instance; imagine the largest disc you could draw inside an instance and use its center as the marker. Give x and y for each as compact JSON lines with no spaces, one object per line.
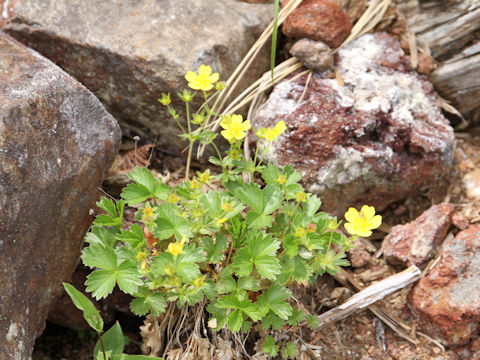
{"x":168,"y":224}
{"x":101,"y":283}
{"x":233,"y":303}
{"x":269,"y":346}
{"x":134,"y":194}
{"x":145,"y":187}
{"x":260,"y":251}
{"x":235,"y":320}
{"x":143,"y":177}
{"x":99,"y":256}
{"x":215,"y":249}
{"x":274,"y":299}
{"x":147,"y":302}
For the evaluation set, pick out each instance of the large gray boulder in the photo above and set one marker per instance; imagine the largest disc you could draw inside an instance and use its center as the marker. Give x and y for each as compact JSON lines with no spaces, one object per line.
{"x":56,"y":140}
{"x":128,"y":52}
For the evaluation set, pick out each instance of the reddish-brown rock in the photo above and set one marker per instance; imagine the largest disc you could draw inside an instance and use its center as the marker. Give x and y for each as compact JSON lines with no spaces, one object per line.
{"x":358,"y":255}
{"x":377,"y":139}
{"x":56,"y":141}
{"x":447,"y":299}
{"x":416,"y":242}
{"x":318,"y":20}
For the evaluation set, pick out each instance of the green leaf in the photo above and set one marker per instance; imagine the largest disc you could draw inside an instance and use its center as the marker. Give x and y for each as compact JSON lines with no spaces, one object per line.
{"x":258,"y":221}
{"x":90,"y":312}
{"x":154,"y":303}
{"x":168,"y":224}
{"x":101,"y":235}
{"x":311,"y":206}
{"x":188,"y":271}
{"x":296,"y":318}
{"x":218,"y":314}
{"x":102,"y":356}
{"x":135,"y":194}
{"x":289,"y":350}
{"x":231,"y":302}
{"x":275,"y":299}
{"x":235,"y":320}
{"x":133,"y":236}
{"x":272,"y":320}
{"x":101,"y":283}
{"x":269,"y":346}
{"x":108,"y":206}
{"x":128,"y":277}
{"x":143,"y":177}
{"x":215,"y":250}
{"x":261,"y":252}
{"x":99,"y":256}
{"x":226,"y":285}
{"x":272,"y":199}
{"x":134,"y":357}
{"x":161,"y":262}
{"x":112,"y":341}
{"x":248,"y":283}
{"x":313,"y":321}
{"x":107,"y":220}
{"x":251,"y":195}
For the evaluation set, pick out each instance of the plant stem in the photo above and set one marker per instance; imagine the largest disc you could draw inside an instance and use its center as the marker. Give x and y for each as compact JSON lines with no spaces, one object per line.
{"x":101,"y":345}
{"x":190,"y":143}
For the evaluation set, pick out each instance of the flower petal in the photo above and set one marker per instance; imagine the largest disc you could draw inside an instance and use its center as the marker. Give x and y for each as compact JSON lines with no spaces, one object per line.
{"x":246,"y":125}
{"x":367,"y":211}
{"x":190,"y":76}
{"x":280,"y":128}
{"x":227,"y":134}
{"x":352,"y":215}
{"x":204,"y":70}
{"x":375,"y":222}
{"x":351,"y":228}
{"x":213,"y":78}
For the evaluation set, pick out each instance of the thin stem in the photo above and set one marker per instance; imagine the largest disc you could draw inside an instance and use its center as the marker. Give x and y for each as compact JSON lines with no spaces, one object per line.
{"x":264,"y":152}
{"x":256,"y":154}
{"x":101,"y":345}
{"x":190,"y":142}
{"x":218,"y":153}
{"x":229,"y":254}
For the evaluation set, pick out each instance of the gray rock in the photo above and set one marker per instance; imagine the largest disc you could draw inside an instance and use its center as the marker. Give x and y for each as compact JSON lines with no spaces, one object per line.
{"x":56,"y":140}
{"x":128,"y":52}
{"x":375,"y":139}
{"x":315,"y":55}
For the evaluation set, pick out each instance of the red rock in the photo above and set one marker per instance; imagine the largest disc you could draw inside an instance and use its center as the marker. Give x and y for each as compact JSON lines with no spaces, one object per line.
{"x":318,"y":20}
{"x":379,"y":138}
{"x":460,"y":221}
{"x":358,"y":255}
{"x":416,"y":242}
{"x":446,"y":301}
{"x":56,"y":142}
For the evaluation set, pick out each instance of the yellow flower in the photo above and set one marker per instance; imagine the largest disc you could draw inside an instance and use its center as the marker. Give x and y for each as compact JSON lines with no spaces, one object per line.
{"x":176,"y":247}
{"x":301,"y":197}
{"x":194,"y":184}
{"x":235,"y":127}
{"x":282,"y":179}
{"x":300,"y":232}
{"x":205,"y":176}
{"x":222,"y":220}
{"x":362,"y":223}
{"x":173,"y":198}
{"x":204,"y":80}
{"x":199,"y":281}
{"x":227,"y":207}
{"x":272,"y":133}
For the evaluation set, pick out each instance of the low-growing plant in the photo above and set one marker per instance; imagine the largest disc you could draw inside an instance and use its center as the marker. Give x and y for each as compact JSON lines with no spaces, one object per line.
{"x":222,"y":237}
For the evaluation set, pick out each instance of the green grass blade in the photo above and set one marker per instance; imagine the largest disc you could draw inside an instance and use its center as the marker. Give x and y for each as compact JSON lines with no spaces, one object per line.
{"x":274,"y":35}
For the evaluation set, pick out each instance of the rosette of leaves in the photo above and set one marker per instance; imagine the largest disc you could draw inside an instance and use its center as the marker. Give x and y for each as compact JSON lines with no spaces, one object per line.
{"x":241,"y":246}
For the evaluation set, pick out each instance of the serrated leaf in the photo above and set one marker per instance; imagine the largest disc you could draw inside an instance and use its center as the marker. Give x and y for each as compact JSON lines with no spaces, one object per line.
{"x":226,"y":285}
{"x":161,"y":262}
{"x":134,"y":194}
{"x":311,"y":206}
{"x":235,"y":320}
{"x":272,"y":320}
{"x":99,"y":256}
{"x":296,"y":318}
{"x":191,"y":254}
{"x":143,"y":177}
{"x":218,"y":314}
{"x":272,"y":199}
{"x":313,"y":321}
{"x":101,"y":235}
{"x":128,"y":277}
{"x":274,"y":298}
{"x":134,"y":235}
{"x":215,"y":250}
{"x":168,"y":224}
{"x":107,"y":220}
{"x":154,"y":303}
{"x":251,"y":195}
{"x":112,"y":341}
{"x":269,"y":346}
{"x":270,"y":174}
{"x":101,"y":283}
{"x":258,"y":221}
{"x":108,"y":206}
{"x":289,"y":350}
{"x":188,"y":271}
{"x":90,"y":312}
{"x":248,"y":283}
{"x":231,"y":302}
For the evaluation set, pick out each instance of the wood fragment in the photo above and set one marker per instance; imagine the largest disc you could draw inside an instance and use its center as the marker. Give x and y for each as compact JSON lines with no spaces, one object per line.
{"x":372,"y":294}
